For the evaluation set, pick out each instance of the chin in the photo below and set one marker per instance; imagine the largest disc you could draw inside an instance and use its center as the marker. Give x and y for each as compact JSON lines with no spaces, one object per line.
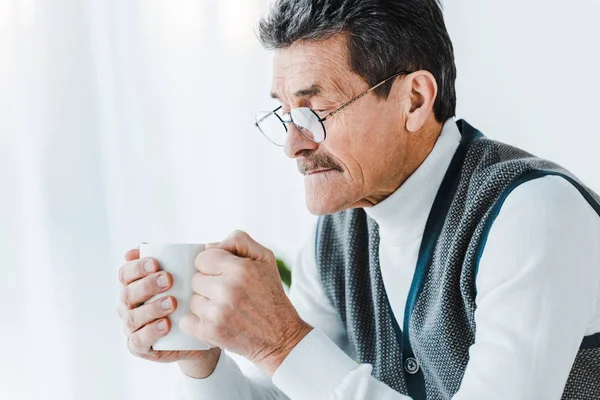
{"x":323,"y":205}
{"x":328,"y":193}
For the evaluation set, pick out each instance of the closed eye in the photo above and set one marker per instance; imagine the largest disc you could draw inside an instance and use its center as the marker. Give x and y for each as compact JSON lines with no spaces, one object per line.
{"x":322,"y":113}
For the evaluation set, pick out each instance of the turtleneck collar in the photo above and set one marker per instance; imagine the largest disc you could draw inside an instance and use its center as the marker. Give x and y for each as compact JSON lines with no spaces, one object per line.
{"x":402,"y":215}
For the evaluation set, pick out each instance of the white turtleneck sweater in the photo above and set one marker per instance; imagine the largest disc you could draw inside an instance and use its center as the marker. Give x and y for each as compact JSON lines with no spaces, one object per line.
{"x":538,"y":290}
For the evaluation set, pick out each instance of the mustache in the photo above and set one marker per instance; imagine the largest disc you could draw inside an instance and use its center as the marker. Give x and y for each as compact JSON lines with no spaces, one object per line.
{"x":316,"y":162}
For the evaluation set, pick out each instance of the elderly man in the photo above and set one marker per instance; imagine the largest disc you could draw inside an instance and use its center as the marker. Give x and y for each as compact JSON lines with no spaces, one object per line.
{"x":444,"y":264}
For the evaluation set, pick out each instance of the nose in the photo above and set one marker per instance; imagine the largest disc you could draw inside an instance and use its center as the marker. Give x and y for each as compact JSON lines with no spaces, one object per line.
{"x":296,"y":144}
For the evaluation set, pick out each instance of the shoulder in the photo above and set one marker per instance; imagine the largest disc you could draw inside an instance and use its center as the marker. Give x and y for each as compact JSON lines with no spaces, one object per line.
{"x":544,"y":227}
{"x":550,"y":200}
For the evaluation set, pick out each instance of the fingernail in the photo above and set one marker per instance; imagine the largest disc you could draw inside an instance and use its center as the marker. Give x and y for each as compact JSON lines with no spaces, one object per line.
{"x":166,"y":303}
{"x":162,"y":281}
{"x":148,"y":266}
{"x":161,"y":326}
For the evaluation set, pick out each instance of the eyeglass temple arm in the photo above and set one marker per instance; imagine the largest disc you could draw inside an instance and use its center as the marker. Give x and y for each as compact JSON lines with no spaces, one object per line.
{"x":362,"y":94}
{"x":267,"y":115}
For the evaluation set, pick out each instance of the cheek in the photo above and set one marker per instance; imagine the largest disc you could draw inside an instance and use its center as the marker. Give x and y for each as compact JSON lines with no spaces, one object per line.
{"x":364,"y":142}
{"x":359,"y":148}
{"x":345,"y":154}
{"x":347,"y":142}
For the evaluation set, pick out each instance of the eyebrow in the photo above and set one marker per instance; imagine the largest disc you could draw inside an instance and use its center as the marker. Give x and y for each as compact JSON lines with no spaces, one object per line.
{"x":309,"y":92}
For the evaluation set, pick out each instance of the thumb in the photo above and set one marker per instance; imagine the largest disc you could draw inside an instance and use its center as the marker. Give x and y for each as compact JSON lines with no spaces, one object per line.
{"x":241,"y":244}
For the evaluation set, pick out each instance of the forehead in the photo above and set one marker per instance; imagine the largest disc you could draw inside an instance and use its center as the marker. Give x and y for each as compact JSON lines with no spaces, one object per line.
{"x":309,"y":64}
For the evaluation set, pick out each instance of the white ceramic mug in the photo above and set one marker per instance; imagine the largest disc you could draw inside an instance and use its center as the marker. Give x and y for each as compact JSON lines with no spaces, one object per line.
{"x":178,"y":260}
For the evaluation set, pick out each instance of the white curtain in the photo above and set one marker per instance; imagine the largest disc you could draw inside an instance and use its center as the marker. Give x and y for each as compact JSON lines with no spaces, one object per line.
{"x":129,"y":121}
{"x":122,"y":122}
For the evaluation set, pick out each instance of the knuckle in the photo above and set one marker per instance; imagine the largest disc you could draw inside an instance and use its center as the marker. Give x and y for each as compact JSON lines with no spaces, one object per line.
{"x":139,"y":267}
{"x":239,"y":265}
{"x":122,"y":311}
{"x":234,"y":287}
{"x":222,"y":293}
{"x":211,"y":315}
{"x":122,"y":275}
{"x":124,"y":297}
{"x":201,"y":330}
{"x":133,"y":344}
{"x":199,"y":306}
{"x":149,"y":285}
{"x":239,"y":234}
{"x":131,"y":322}
{"x":138,"y":342}
{"x":242,"y":273}
{"x":218,"y":317}
{"x":126,"y":331}
{"x":210,"y":330}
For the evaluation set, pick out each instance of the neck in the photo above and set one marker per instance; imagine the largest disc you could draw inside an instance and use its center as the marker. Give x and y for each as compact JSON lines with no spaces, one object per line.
{"x":402,"y":215}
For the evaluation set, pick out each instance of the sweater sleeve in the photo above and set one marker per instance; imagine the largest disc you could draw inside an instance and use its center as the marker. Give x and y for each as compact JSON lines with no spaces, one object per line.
{"x":537,"y":286}
{"x":235,"y":378}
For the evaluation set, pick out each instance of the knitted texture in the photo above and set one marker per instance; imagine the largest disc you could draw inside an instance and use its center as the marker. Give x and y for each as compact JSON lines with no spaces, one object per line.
{"x":441,"y":322}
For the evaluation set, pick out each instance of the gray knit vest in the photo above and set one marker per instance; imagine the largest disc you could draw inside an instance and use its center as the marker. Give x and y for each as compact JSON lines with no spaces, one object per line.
{"x":426,"y":358}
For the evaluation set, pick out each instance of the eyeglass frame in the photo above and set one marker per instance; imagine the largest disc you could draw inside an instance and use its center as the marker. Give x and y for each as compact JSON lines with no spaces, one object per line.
{"x":321,"y":119}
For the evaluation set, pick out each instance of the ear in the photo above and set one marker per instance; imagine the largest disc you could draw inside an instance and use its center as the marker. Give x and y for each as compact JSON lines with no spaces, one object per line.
{"x":422,"y":92}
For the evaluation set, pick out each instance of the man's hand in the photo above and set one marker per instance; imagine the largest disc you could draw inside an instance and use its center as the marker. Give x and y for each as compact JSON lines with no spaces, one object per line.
{"x":144,"y":324}
{"x":240,"y":305}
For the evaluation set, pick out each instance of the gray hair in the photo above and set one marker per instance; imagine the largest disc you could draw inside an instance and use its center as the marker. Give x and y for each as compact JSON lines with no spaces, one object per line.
{"x":384,"y":37}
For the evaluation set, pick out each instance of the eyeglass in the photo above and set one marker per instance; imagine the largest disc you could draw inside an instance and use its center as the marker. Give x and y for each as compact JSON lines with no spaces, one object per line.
{"x":305,"y":119}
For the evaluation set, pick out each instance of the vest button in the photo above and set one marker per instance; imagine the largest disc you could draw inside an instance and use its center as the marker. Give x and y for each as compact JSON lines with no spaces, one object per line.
{"x":411,"y":365}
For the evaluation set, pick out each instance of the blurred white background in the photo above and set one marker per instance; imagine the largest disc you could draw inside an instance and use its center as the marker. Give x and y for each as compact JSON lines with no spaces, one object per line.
{"x":129,"y":121}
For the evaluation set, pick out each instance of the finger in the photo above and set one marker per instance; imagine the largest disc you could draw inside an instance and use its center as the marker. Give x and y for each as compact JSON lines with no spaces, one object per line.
{"x":196,"y":326}
{"x":141,"y":341}
{"x":208,"y":286}
{"x":188,"y":324}
{"x":136,"y":269}
{"x":148,"y":313}
{"x":143,"y":289}
{"x":216,"y":261}
{"x":241,"y":244}
{"x":200,"y":306}
{"x":132,"y":254}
